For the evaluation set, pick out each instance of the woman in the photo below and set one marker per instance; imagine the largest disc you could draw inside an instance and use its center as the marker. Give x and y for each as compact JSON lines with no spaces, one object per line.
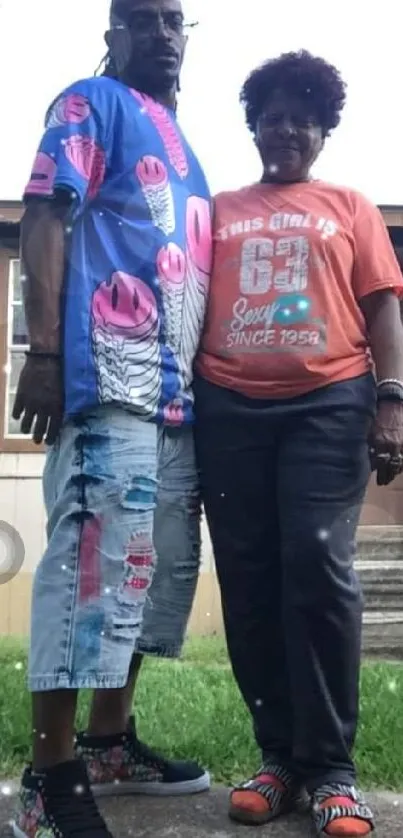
{"x":305,"y":290}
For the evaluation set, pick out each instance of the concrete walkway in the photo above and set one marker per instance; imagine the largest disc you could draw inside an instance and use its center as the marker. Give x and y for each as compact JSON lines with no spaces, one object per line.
{"x":205,"y":816}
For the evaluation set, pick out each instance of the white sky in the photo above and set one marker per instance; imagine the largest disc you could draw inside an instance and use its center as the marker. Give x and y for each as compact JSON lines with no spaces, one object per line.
{"x":47,"y":44}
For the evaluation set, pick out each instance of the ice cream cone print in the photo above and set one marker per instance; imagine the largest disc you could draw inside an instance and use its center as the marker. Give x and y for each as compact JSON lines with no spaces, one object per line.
{"x":88,"y":159}
{"x":153,"y":177}
{"x":199,"y":240}
{"x":126,"y":342}
{"x":171,"y":266}
{"x":198,"y":266}
{"x":73,"y":109}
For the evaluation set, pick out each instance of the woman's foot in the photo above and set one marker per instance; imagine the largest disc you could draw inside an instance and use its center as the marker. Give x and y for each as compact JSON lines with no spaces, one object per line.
{"x":271,"y":792}
{"x":341,"y":811}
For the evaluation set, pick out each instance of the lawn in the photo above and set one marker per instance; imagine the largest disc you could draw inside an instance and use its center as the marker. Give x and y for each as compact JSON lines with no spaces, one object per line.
{"x":192,"y":709}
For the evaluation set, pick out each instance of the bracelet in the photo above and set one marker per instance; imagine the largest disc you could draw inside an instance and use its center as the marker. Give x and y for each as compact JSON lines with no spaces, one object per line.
{"x":390,"y":390}
{"x":390,"y":381}
{"x":388,"y":396}
{"x":31,"y":353}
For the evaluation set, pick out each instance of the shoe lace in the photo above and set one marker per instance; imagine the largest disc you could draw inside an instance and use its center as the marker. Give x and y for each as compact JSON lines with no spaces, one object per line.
{"x":72,"y":814}
{"x":147,"y":756}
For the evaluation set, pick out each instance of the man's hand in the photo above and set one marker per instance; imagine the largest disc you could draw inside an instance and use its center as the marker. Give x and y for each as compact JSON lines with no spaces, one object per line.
{"x":386,"y":442}
{"x":39,"y":401}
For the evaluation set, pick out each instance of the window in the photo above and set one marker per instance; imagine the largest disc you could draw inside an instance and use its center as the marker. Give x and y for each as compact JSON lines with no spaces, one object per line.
{"x":17,"y":345}
{"x":14,"y":341}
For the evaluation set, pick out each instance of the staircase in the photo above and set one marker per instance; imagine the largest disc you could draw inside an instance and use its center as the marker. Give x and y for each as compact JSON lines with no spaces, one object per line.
{"x":379,"y":564}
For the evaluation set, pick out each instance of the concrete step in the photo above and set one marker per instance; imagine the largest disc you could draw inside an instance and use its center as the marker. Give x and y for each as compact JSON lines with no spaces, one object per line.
{"x":385,"y":604}
{"x":380,"y":533}
{"x":382,"y":584}
{"x":379,"y":565}
{"x":391,"y":551}
{"x":380,"y":543}
{"x":383,"y":634}
{"x":383,"y":637}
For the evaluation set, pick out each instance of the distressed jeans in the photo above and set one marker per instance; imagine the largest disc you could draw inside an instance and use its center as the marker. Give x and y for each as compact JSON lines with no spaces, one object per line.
{"x":121,"y":564}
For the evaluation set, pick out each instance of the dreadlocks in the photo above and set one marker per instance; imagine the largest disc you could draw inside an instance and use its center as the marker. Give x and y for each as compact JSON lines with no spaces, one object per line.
{"x":116,"y":18}
{"x":110,"y":68}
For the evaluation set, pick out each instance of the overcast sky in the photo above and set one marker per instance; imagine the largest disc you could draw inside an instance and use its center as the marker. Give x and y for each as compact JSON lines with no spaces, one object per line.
{"x":47,"y":44}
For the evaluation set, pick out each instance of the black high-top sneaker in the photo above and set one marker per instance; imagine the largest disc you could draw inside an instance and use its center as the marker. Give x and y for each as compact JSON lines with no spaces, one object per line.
{"x":122,"y":764}
{"x":58,"y":804}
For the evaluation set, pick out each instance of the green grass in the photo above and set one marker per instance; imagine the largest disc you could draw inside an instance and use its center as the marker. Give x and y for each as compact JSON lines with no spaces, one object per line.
{"x":192,"y":709}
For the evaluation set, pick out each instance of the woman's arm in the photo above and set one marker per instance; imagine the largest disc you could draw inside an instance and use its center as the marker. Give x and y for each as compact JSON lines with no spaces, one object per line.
{"x":378,"y":287}
{"x":385,"y":333}
{"x":382,"y":314}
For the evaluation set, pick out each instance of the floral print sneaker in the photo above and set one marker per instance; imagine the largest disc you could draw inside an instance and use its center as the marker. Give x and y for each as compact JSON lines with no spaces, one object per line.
{"x":123,"y":765}
{"x":58,"y":804}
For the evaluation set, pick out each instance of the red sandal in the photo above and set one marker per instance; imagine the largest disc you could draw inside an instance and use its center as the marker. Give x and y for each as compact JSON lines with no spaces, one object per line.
{"x":271,"y":792}
{"x":344,"y":804}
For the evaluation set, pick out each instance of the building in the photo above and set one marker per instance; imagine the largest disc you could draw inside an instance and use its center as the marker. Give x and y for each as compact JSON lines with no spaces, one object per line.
{"x":21,"y":462}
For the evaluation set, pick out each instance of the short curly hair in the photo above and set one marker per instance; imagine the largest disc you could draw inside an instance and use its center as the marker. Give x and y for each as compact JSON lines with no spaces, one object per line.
{"x":303,"y":75}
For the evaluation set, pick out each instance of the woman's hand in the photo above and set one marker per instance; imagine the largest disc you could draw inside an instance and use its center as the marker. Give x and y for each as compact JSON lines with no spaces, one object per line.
{"x":386,"y":442}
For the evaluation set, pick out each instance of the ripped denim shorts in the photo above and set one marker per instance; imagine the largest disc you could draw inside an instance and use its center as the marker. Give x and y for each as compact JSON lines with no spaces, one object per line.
{"x":92,"y":601}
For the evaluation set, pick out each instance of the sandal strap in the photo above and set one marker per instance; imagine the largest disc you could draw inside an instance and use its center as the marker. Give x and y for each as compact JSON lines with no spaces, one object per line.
{"x":273,"y":795}
{"x":324,"y":815}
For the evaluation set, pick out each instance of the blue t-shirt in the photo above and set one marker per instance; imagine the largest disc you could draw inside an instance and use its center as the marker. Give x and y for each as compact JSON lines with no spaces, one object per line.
{"x":139,"y":253}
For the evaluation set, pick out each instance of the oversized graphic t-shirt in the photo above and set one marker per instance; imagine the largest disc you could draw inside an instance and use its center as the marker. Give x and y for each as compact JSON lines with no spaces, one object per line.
{"x":139,"y":249}
{"x":291,"y":264}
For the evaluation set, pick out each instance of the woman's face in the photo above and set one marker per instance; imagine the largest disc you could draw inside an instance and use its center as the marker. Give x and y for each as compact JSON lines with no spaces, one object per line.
{"x":288,"y":138}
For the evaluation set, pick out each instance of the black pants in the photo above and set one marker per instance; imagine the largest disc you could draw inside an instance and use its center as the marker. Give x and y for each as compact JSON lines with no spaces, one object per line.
{"x":283,"y":485}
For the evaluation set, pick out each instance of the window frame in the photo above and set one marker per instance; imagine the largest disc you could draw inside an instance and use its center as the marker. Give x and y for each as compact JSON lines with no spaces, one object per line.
{"x":9,"y":444}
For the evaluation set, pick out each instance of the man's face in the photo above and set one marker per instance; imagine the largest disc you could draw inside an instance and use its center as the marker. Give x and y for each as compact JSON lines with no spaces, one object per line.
{"x":154,"y":37}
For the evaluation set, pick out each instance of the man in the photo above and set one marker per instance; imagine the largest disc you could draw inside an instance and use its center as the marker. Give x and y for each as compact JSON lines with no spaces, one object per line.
{"x":116,"y":247}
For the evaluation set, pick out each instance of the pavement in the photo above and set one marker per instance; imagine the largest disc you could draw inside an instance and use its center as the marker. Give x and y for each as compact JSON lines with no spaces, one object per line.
{"x":205,"y":816}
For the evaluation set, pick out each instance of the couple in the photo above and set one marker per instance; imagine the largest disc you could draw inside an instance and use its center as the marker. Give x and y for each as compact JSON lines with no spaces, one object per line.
{"x":117,"y":251}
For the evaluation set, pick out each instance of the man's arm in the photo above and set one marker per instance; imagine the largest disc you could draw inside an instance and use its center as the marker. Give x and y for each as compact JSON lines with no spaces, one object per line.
{"x":43,"y":234}
{"x":68,"y":170}
{"x":39,"y":401}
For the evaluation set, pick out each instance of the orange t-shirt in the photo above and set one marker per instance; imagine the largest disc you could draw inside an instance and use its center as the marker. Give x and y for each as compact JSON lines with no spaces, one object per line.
{"x":290,"y":267}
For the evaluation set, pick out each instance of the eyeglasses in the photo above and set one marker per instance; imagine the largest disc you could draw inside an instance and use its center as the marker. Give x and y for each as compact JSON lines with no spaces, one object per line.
{"x":145,"y":22}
